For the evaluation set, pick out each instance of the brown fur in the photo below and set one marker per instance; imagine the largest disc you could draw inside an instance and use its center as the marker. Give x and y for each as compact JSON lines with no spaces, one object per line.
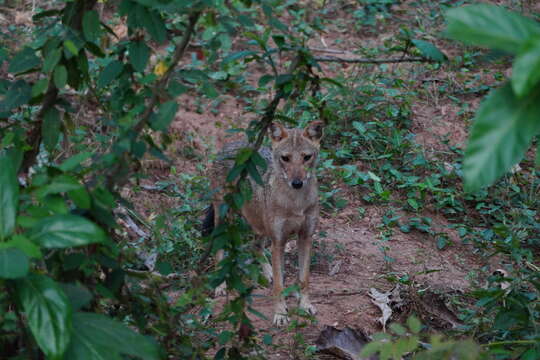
{"x":279,"y":209}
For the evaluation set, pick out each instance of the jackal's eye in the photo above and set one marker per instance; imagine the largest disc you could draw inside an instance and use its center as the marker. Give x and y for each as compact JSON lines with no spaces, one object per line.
{"x":285,"y":158}
{"x":307,"y":157}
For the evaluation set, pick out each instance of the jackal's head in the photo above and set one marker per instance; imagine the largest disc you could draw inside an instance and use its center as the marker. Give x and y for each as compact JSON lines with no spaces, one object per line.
{"x":295,"y":151}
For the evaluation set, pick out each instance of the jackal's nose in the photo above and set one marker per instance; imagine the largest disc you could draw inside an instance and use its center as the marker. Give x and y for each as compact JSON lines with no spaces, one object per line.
{"x":297,"y":184}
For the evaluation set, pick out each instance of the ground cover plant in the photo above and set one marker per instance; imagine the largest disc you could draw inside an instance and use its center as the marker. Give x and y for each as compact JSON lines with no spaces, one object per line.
{"x":111,"y":113}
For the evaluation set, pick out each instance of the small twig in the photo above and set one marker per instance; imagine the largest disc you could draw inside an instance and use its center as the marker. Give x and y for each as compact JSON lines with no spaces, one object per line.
{"x":370,"y":61}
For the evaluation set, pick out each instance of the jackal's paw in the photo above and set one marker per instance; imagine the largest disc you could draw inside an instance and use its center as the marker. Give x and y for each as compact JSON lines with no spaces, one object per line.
{"x":221,"y":290}
{"x":307,"y":306}
{"x":281,"y":319}
{"x":267,"y":271}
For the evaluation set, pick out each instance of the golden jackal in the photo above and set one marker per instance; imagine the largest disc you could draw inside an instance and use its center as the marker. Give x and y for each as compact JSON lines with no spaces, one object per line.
{"x":287,"y":204}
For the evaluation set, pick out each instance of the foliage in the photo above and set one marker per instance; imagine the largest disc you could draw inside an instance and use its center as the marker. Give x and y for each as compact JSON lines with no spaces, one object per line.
{"x":404,"y":341}
{"x":507,"y":121}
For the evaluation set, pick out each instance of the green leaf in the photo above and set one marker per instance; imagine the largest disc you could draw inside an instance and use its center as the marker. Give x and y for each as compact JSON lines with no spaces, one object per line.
{"x":238,"y":55}
{"x":502,"y":131}
{"x":398,"y":329}
{"x":74,"y":161}
{"x":166,"y":113}
{"x":259,"y":161}
{"x":18,"y":94}
{"x":9,"y":196}
{"x":526,"y":70}
{"x":234,"y":172}
{"x":13,"y":263}
{"x":22,"y":243}
{"x":60,"y":76}
{"x":442,"y":241}
{"x":78,"y":295}
{"x":152,"y":21}
{"x":72,"y":48}
{"x":428,"y":50}
{"x":25,"y":60}
{"x":81,"y":198}
{"x":51,"y":128}
{"x":62,"y":231}
{"x":48,"y":313}
{"x":109,"y":73}
{"x":139,"y":53}
{"x":243,"y":155}
{"x":91,"y":26}
{"x":99,"y":337}
{"x":265,"y":79}
{"x":371,"y":349}
{"x":209,"y":90}
{"x":52,"y":60}
{"x":414,"y":324}
{"x":254,"y":173}
{"x":60,"y":184}
{"x":39,"y":87}
{"x":490,"y":26}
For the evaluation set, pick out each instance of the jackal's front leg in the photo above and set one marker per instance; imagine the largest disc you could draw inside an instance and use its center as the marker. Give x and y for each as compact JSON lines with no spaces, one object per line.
{"x":280,"y":306}
{"x":304,"y":261}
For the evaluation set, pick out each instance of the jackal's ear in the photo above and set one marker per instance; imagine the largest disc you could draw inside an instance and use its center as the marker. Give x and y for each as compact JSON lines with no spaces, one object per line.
{"x":314,"y":131}
{"x":277,"y":132}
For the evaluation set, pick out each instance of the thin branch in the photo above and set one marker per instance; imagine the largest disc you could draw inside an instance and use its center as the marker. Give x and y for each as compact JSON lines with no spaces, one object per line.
{"x":51,"y":96}
{"x":270,"y":111}
{"x":114,"y":176}
{"x":370,"y":61}
{"x":162,"y":83}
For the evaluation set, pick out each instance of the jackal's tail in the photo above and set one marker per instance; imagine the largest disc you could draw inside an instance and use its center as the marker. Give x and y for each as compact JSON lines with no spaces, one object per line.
{"x":208,"y":222}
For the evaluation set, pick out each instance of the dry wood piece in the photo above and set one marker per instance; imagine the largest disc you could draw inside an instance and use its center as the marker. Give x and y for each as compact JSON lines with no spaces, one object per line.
{"x":343,"y":344}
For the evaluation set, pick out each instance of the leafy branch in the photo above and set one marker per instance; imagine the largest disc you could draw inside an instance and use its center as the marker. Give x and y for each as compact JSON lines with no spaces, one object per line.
{"x":113,"y":177}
